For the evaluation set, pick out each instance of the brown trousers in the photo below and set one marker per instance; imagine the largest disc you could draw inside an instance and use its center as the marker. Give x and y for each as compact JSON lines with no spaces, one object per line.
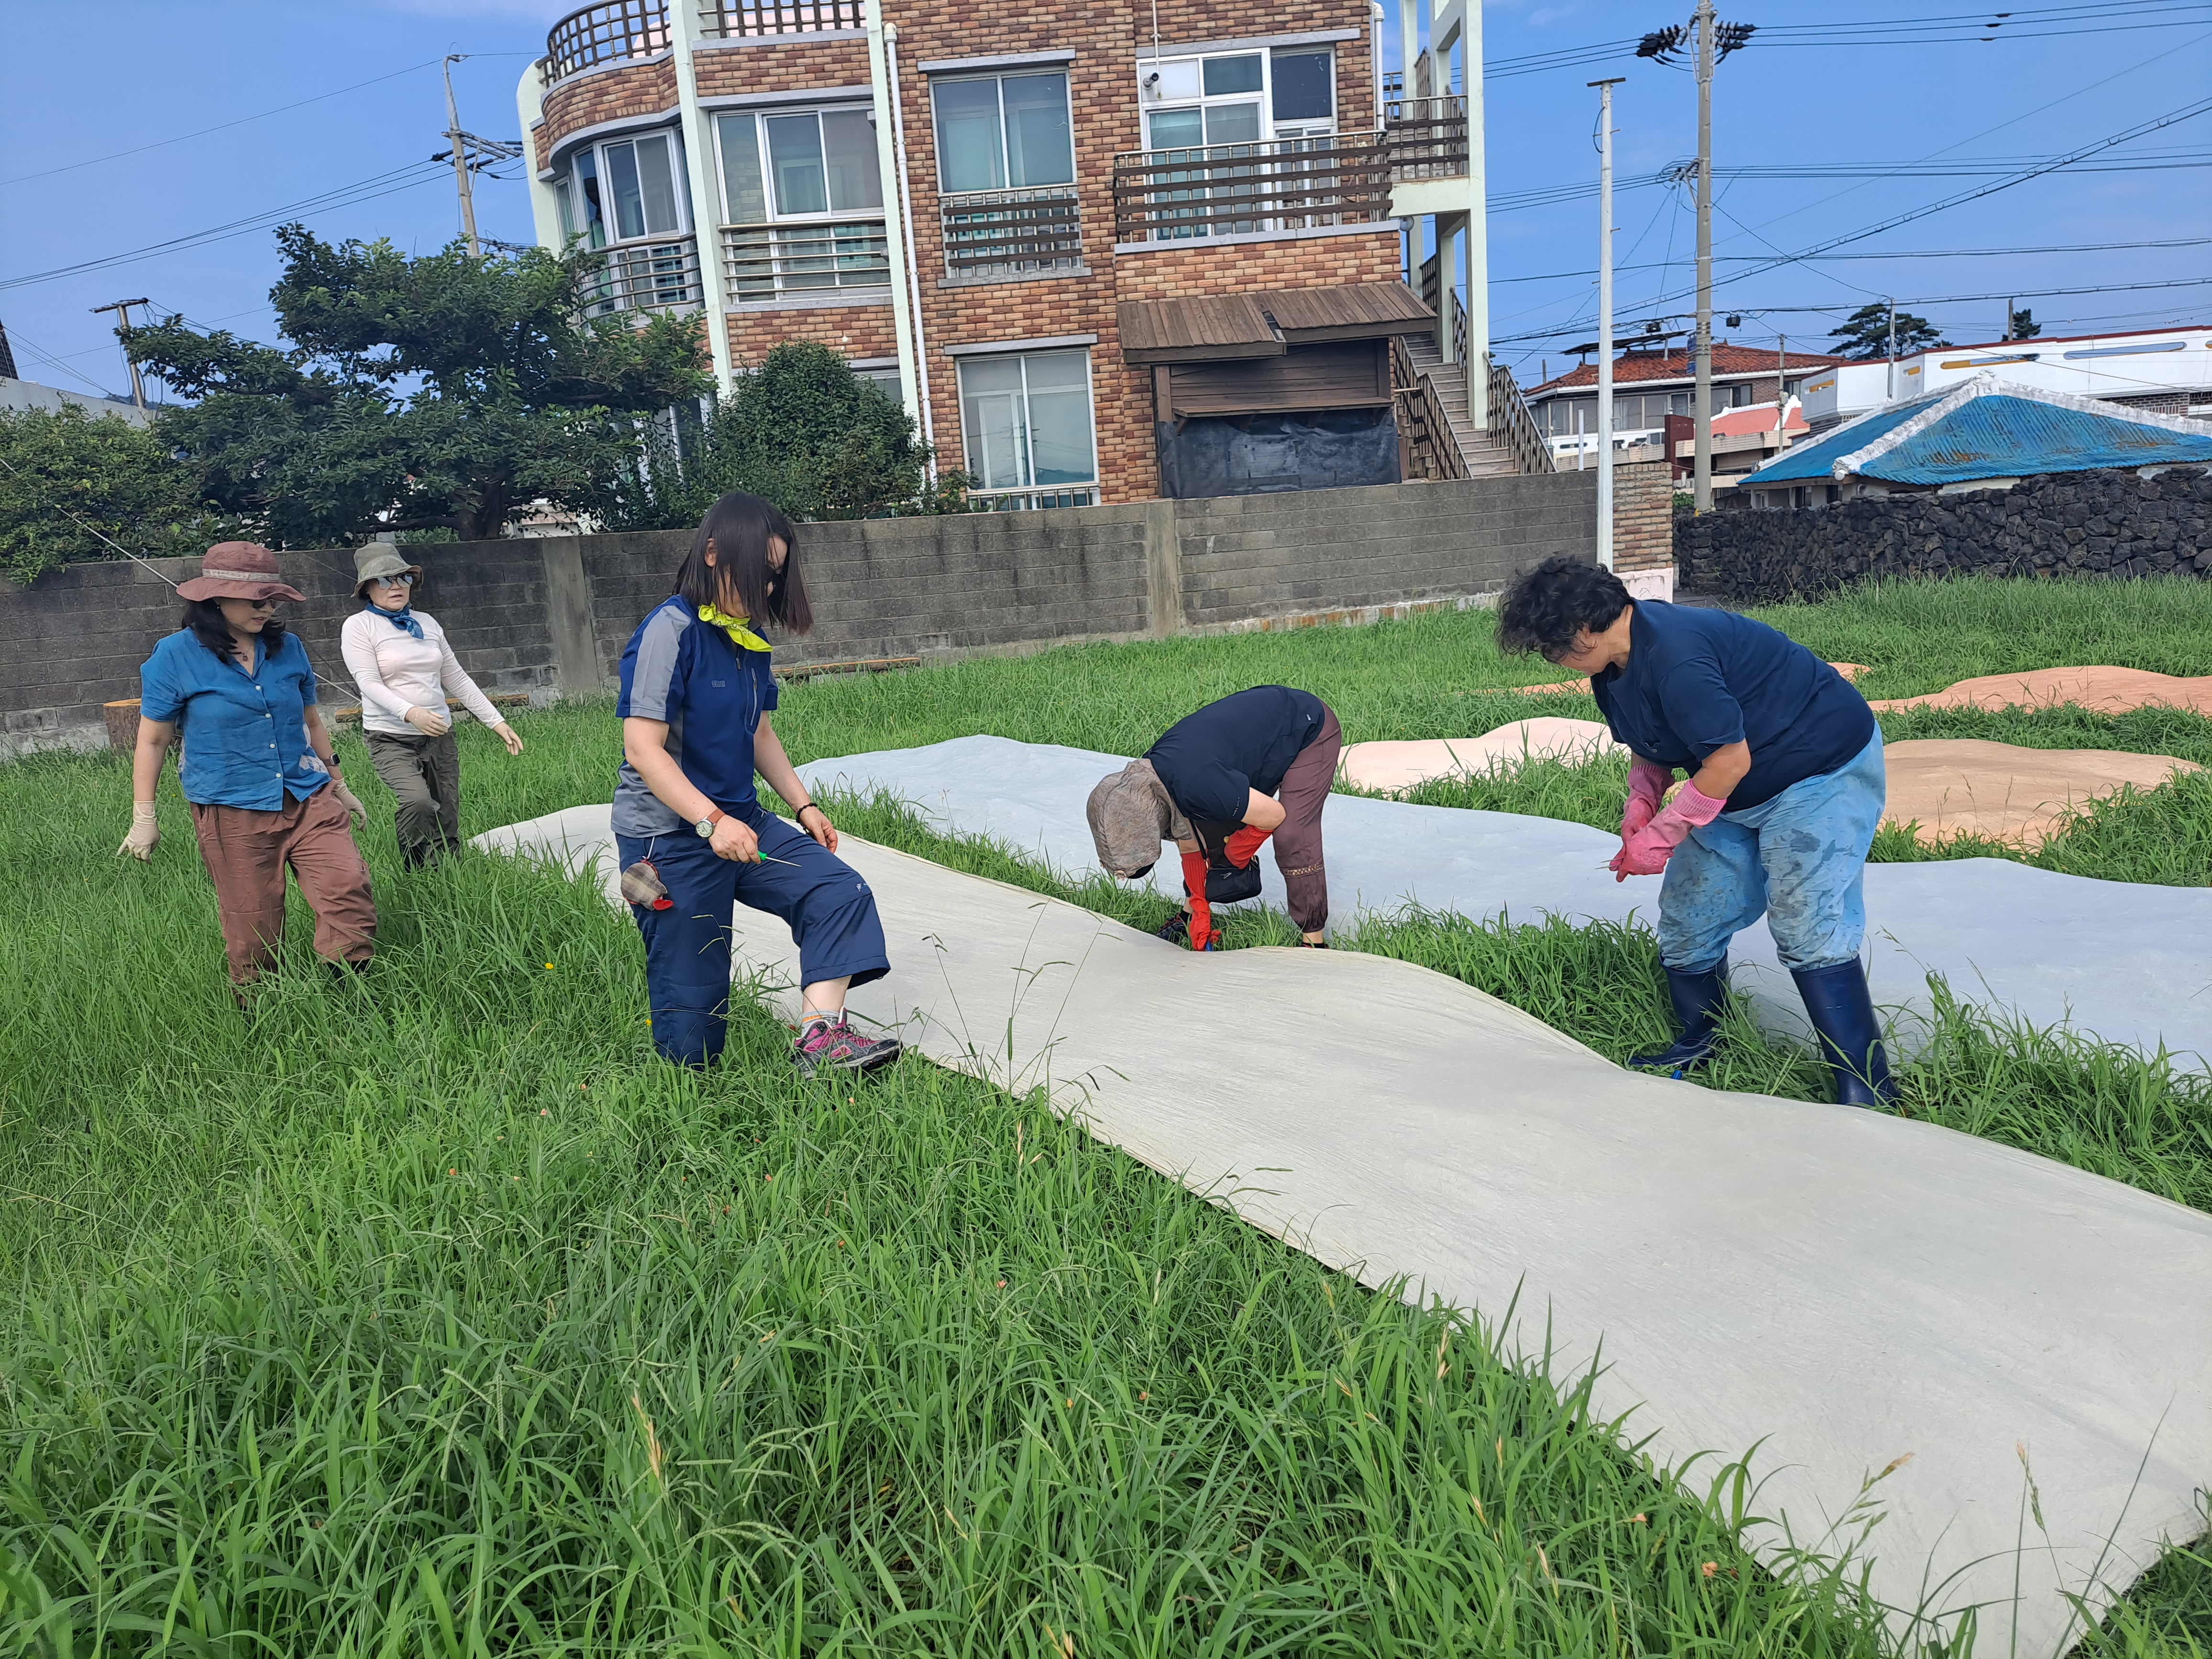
{"x":1298,"y":842}
{"x":246,"y":853}
{"x":425,"y":776}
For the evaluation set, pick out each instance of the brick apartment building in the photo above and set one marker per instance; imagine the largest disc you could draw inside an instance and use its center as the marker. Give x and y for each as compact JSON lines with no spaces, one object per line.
{"x":1101,"y":263}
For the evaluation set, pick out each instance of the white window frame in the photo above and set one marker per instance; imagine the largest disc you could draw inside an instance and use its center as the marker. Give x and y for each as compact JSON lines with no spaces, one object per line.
{"x":1029,"y":426}
{"x":1149,"y":105}
{"x":775,"y":213}
{"x":568,"y":191}
{"x":999,"y":78}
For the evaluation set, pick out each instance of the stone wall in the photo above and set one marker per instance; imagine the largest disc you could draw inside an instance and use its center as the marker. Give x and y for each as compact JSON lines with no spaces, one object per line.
{"x":2110,"y":524}
{"x":549,"y":615}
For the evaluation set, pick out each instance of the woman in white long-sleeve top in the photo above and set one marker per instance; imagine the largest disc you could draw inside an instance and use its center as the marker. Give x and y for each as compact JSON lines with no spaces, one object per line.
{"x":399,"y":659}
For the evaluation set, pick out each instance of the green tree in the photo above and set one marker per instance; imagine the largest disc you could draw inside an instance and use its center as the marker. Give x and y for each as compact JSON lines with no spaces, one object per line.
{"x":441,"y":393}
{"x":2024,"y":325}
{"x":1865,"y":333}
{"x":67,"y":479}
{"x":800,"y":429}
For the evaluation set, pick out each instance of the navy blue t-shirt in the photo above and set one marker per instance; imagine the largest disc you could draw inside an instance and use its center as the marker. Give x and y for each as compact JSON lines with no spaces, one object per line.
{"x":1699,"y":680}
{"x":1211,"y":760}
{"x":688,"y":674}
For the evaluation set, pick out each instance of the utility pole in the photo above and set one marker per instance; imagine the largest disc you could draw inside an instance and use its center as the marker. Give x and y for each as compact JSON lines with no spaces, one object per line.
{"x":1891,"y":394}
{"x":2008,"y":333}
{"x":458,"y":140}
{"x":138,"y":384}
{"x":1781,"y":383}
{"x":1605,"y":320}
{"x":1702,"y":398}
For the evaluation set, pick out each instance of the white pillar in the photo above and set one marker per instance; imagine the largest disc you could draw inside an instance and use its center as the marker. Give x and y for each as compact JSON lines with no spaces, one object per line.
{"x":890,"y":164}
{"x":1605,"y":325}
{"x":706,"y":193}
{"x":1478,"y":232}
{"x":530,"y":105}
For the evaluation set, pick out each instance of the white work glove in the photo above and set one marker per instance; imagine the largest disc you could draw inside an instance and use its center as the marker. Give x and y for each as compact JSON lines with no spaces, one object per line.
{"x":345,"y":798}
{"x":505,"y":733}
{"x":429,"y":725}
{"x":144,"y":834}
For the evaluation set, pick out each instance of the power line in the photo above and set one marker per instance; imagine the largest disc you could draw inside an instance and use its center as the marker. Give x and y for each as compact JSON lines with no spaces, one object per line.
{"x":1903,"y":253}
{"x":223,"y":126}
{"x":364,"y":190}
{"x":1759,"y":267}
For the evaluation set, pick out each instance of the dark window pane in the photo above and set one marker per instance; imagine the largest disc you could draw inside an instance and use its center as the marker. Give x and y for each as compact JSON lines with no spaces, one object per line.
{"x":1225,"y":75}
{"x":747,"y":204}
{"x":1040,"y":148}
{"x":794,"y":160}
{"x":848,"y":155}
{"x":630,"y":205}
{"x":969,"y":156}
{"x":1302,"y":88}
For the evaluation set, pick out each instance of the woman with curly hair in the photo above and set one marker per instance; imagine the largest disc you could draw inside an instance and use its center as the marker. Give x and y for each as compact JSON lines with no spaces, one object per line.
{"x":1785,"y":790}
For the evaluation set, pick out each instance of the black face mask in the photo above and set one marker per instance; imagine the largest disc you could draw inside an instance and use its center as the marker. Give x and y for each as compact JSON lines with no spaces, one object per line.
{"x":1139,"y":875}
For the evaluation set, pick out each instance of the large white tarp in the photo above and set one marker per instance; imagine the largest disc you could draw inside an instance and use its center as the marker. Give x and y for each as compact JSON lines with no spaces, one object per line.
{"x":1844,"y":1287}
{"x":2126,"y":963}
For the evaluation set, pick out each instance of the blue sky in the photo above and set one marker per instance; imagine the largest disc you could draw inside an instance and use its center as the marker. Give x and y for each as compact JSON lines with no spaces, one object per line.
{"x":145,"y":75}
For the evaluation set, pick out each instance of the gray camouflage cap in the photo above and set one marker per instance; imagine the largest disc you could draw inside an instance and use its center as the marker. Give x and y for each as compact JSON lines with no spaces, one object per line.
{"x":1131,"y":814}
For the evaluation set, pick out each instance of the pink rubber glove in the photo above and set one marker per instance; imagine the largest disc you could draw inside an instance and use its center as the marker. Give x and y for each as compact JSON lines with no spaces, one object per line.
{"x":1646,"y":852}
{"x":1647,"y":788}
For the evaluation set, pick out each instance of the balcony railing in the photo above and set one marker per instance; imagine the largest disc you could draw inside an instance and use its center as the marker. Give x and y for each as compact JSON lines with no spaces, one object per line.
{"x":735,"y":20}
{"x":1425,"y":138}
{"x":606,"y":33}
{"x":1031,"y":501}
{"x":656,"y":276}
{"x":779,"y":262}
{"x":1002,"y":232}
{"x":1228,"y":190}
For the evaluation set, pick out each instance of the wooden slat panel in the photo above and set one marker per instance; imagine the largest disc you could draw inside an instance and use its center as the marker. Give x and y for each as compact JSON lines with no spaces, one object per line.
{"x":1351,"y":375}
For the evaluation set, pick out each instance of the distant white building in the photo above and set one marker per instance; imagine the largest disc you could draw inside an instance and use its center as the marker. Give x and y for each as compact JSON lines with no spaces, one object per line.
{"x":29,"y":394}
{"x":2167,"y":371}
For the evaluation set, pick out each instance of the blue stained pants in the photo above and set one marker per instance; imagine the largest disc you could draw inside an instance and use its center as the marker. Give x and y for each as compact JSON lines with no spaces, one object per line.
{"x":831,"y":911}
{"x":1799,"y":858}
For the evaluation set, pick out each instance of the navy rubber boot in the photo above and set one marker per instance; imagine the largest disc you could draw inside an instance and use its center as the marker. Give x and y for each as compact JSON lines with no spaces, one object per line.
{"x":1698,"y":1000}
{"x":1842,"y":1012}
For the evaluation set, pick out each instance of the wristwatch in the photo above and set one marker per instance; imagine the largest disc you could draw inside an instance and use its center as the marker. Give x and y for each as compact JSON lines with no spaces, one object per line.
{"x":706,"y":825}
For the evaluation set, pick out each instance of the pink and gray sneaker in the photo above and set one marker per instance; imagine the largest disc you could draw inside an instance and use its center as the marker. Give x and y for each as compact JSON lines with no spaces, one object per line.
{"x":834,"y":1045}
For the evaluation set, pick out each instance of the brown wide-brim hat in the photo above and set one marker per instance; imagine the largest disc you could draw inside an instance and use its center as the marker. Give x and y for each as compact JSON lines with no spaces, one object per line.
{"x":239,"y":570}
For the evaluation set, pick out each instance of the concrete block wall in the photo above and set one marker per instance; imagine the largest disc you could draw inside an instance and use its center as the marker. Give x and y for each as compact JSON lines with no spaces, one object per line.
{"x":551,"y":616}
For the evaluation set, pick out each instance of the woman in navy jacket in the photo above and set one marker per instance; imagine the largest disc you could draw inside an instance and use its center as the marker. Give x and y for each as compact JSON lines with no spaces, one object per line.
{"x":692,"y":836}
{"x":1785,"y":790}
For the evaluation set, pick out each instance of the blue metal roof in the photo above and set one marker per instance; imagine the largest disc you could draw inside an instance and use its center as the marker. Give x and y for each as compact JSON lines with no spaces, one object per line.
{"x":1993,"y":435}
{"x":1818,"y":458}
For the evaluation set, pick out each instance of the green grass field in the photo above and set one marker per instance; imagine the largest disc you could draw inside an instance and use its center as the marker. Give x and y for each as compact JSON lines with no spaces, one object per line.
{"x":435,"y":1316}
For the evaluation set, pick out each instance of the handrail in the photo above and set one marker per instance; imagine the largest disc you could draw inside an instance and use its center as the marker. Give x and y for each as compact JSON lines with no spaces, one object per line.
{"x":1512,"y":425}
{"x":768,"y":262}
{"x":1037,"y":227}
{"x":738,"y":20}
{"x":1425,"y":138}
{"x":660,"y":274}
{"x":605,"y":34}
{"x":1220,"y":190}
{"x":1431,"y":447}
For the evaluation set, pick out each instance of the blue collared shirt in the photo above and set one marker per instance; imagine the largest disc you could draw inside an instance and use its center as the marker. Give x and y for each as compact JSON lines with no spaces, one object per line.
{"x":246,"y":735}
{"x":711,"y":695}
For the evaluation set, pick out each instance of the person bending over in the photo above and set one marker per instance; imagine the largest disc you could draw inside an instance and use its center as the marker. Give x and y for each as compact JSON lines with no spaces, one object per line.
{"x":692,"y":834}
{"x":1210,"y":786}
{"x":406,"y":671}
{"x":1786,"y":787}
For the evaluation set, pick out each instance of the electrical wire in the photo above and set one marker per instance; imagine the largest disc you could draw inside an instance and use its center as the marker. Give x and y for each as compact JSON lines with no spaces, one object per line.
{"x":1913,"y":253}
{"x":2187,"y":112}
{"x":224,"y":126}
{"x":416,"y":173}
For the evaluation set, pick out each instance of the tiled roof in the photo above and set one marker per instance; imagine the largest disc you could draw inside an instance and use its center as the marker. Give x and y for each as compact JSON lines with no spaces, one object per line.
{"x":1632,"y":367}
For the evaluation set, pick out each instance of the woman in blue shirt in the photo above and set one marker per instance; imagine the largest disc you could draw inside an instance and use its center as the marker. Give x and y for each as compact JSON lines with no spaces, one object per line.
{"x":257,"y":767}
{"x":691,"y":834}
{"x":1785,"y":793}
